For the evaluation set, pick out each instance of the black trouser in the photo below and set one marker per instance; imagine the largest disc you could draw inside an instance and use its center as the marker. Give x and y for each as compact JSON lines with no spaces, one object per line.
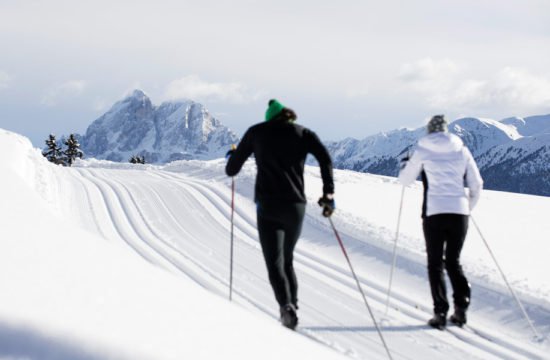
{"x":279,"y":227}
{"x":445,"y":234}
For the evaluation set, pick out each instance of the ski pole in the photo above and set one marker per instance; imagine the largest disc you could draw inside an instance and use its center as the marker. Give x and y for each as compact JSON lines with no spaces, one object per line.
{"x":506,"y":280}
{"x":359,"y":287}
{"x":394,"y":250}
{"x":231,"y":242}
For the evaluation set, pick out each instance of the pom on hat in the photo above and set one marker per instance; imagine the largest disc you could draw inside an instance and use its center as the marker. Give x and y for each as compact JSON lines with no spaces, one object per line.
{"x":437,"y":124}
{"x":273,"y":109}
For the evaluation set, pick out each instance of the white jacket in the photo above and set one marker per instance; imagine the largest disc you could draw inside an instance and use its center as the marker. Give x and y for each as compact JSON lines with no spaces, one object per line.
{"x":445,"y":163}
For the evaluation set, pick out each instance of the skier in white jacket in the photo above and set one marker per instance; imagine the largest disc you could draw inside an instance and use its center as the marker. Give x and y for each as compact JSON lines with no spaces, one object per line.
{"x":444,"y":164}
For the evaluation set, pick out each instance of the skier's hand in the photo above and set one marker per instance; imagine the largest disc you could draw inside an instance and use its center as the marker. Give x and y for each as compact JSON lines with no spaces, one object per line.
{"x":230,"y":152}
{"x":328,"y":204}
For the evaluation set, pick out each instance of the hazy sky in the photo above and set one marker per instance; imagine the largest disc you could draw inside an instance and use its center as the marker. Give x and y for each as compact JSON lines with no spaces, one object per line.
{"x":348,"y":68}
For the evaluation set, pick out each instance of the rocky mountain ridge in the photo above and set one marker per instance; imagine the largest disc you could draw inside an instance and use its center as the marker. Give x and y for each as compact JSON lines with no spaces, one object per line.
{"x":172,"y":131}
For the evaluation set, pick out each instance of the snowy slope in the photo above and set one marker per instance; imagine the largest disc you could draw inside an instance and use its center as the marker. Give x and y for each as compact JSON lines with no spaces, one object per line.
{"x":176,"y":217}
{"x":72,"y":294}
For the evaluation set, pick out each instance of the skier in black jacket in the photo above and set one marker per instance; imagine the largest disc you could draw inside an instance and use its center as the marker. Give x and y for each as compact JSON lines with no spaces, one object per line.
{"x":280,"y":148}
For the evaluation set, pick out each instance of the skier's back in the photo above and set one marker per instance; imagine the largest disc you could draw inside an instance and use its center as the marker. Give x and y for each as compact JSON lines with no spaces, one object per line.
{"x":280,"y":148}
{"x":444,"y":164}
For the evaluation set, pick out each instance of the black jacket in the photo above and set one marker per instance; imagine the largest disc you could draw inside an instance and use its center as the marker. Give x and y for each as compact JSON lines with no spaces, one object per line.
{"x":280,"y":148}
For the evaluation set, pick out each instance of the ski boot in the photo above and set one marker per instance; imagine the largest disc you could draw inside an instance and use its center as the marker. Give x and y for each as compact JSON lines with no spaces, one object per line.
{"x":289,"y":318}
{"x":438,"y":321}
{"x":459,"y":317}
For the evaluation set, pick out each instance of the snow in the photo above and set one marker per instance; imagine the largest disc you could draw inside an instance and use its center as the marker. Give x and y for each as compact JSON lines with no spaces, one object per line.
{"x":69,"y":294}
{"x":108,"y":260}
{"x":532,"y":125}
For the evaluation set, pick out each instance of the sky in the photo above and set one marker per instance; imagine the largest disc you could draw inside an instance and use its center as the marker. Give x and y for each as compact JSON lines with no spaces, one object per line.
{"x":350,"y":68}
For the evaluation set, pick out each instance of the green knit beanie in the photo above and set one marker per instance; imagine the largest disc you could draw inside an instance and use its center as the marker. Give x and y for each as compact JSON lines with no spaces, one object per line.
{"x":273,"y":109}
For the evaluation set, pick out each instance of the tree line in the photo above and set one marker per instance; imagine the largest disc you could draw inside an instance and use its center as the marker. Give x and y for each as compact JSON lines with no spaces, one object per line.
{"x":66,"y":157}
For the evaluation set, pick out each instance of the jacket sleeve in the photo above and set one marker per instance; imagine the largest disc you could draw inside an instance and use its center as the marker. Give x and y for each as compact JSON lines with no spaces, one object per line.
{"x":317,"y":149}
{"x":473,"y":179}
{"x":238,"y":158}
{"x":412,"y":169}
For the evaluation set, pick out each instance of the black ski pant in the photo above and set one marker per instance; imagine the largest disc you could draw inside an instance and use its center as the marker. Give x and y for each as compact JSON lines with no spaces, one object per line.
{"x":445,"y":234}
{"x":279,"y":227}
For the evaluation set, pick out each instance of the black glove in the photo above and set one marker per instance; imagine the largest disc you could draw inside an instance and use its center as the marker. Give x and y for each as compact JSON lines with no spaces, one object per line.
{"x":328,"y":204}
{"x":230,"y":152}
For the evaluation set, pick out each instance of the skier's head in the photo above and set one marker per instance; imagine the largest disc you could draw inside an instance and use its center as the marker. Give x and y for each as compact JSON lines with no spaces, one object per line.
{"x":277,"y":110}
{"x":437,"y":124}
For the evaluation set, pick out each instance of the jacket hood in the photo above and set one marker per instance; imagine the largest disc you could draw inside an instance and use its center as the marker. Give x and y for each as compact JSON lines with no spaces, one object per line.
{"x":441,"y":142}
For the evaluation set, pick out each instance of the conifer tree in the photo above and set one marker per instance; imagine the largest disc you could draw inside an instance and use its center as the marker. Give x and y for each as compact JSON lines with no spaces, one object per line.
{"x":73,"y":150}
{"x":136,"y":159}
{"x":53,"y":152}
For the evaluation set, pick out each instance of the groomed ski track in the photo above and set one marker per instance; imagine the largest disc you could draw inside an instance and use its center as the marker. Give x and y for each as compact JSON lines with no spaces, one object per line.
{"x":180,"y":222}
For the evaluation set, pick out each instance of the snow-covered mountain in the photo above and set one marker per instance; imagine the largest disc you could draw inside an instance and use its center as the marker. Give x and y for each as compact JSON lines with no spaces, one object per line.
{"x":521,"y":166}
{"x":519,"y":148}
{"x":180,"y":130}
{"x":172,"y":131}
{"x":530,"y":126}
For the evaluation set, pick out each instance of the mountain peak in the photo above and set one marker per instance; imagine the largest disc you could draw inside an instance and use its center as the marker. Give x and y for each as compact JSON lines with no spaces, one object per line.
{"x":137,"y":93}
{"x":172,"y":131}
